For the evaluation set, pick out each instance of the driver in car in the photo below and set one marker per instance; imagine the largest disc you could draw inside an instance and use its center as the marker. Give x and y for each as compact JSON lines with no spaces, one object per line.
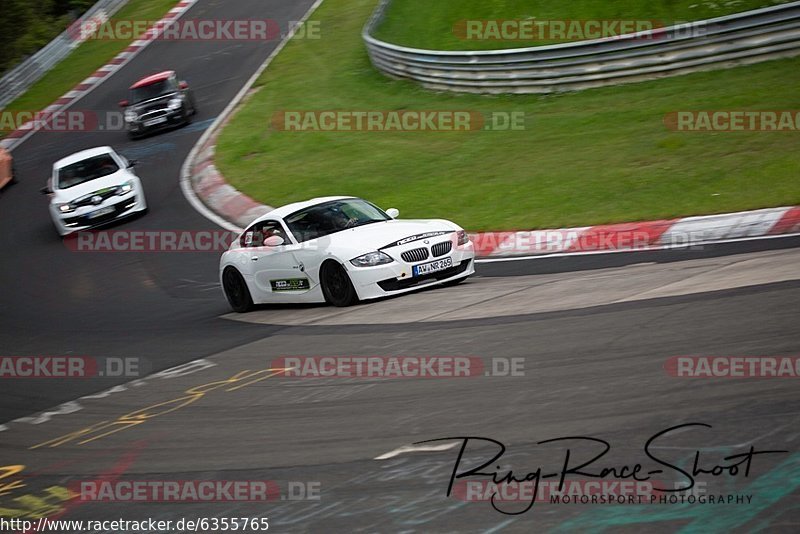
{"x":344,"y":221}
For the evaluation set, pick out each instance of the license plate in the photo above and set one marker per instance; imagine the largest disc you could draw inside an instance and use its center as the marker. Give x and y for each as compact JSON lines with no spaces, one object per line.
{"x":153,"y":122}
{"x":432,"y":267}
{"x":101,"y":212}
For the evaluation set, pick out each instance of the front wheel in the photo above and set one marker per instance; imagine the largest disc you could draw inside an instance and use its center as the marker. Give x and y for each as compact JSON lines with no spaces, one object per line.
{"x":336,"y":285}
{"x":236,"y":291}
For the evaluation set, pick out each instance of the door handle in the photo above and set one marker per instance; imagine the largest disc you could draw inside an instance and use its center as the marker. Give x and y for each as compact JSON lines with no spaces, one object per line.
{"x":254,"y":258}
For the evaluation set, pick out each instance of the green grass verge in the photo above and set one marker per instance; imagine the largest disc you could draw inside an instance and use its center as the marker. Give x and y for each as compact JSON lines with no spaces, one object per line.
{"x":592,"y":157}
{"x":429,"y":24}
{"x":85,"y":59}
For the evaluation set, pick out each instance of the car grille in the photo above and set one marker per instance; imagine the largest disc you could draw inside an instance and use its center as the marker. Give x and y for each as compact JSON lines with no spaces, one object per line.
{"x":412,"y":256}
{"x":103,"y":193}
{"x":440,"y":249}
{"x":154,"y":114}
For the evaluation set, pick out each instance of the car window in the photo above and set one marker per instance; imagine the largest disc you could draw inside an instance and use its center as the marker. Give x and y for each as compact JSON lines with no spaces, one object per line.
{"x":86,"y":170}
{"x":331,"y":217}
{"x":154,"y":90}
{"x":261,"y":231}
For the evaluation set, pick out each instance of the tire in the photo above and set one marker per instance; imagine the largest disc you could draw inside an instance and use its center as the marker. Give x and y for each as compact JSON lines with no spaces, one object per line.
{"x":236,"y":291}
{"x":336,"y":285}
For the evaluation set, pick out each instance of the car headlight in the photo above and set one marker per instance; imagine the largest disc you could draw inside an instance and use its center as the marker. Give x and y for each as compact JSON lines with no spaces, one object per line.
{"x":371,"y":259}
{"x":174,"y":103}
{"x":130,"y":116}
{"x":463,"y":238}
{"x":65,"y":208}
{"x":125,"y":188}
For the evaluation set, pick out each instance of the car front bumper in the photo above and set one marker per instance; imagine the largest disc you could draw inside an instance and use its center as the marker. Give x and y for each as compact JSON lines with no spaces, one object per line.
{"x":125,"y":206}
{"x":171,"y":118}
{"x":397,"y":277}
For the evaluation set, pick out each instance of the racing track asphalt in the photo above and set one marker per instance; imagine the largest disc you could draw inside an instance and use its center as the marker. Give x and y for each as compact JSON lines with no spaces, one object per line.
{"x":597,"y":370}
{"x":161,"y":307}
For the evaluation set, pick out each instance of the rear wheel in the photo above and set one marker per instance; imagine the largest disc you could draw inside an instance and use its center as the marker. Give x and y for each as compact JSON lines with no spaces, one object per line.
{"x":336,"y":285}
{"x":236,"y":291}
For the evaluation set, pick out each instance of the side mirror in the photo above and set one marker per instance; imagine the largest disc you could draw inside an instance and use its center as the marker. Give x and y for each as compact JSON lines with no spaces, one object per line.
{"x":274,"y":241}
{"x":45,"y":190}
{"x":393,"y":213}
{"x":124,"y":103}
{"x":183,"y":85}
{"x":132,"y":163}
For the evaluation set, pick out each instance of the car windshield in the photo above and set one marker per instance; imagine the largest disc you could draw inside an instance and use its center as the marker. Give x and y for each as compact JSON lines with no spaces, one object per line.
{"x":154,"y":90}
{"x":86,"y":170}
{"x":335,"y":216}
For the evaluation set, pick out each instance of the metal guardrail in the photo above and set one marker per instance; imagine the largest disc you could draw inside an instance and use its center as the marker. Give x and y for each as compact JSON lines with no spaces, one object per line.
{"x":738,"y":39}
{"x":20,"y":78}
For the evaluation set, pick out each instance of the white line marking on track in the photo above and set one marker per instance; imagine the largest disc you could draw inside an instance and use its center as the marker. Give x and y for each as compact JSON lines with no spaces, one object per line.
{"x":417,"y":448}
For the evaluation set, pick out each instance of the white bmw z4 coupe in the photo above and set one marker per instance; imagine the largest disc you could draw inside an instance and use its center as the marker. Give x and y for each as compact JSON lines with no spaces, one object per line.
{"x":92,"y":188}
{"x":340,"y":250}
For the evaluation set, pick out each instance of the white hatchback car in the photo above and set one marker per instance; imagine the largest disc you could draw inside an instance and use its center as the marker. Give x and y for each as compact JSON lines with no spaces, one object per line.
{"x":92,"y":188}
{"x":340,"y":250}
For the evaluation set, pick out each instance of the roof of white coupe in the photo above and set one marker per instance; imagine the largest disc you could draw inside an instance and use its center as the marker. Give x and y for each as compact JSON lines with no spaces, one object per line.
{"x":288,"y":209}
{"x":82,"y":155}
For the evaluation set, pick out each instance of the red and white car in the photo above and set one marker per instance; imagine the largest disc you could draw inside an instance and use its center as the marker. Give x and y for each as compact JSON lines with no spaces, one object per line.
{"x":156,"y":102}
